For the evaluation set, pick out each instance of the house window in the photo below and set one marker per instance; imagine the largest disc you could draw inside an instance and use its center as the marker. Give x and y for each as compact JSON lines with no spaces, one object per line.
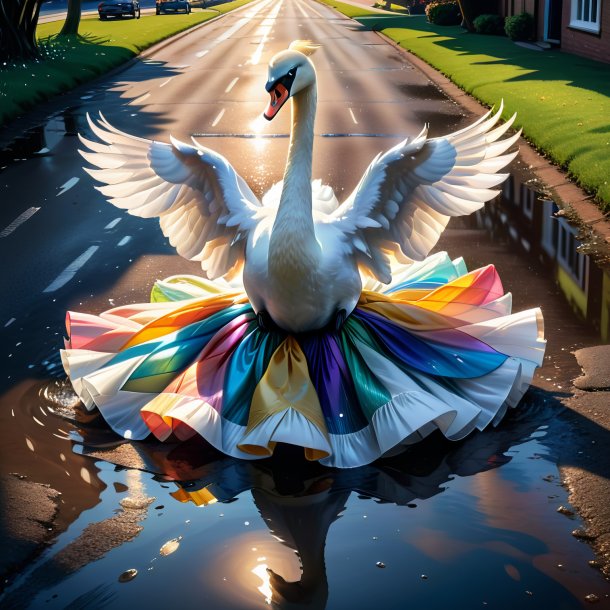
{"x":572,"y":261}
{"x":586,"y":15}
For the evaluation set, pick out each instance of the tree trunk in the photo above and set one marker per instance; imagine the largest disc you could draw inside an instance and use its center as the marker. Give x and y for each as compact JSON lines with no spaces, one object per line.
{"x":466,"y":17}
{"x":18,"y":21}
{"x":70,"y":27}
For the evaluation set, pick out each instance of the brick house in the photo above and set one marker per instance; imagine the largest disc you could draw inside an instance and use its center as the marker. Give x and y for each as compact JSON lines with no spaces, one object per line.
{"x":581,"y":27}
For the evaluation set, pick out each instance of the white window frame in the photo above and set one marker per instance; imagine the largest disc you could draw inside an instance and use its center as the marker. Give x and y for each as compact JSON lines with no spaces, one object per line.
{"x":582,"y":24}
{"x":578,"y":266}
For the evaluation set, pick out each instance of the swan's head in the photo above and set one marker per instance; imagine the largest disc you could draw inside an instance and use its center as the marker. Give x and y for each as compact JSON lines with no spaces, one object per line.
{"x":290,"y":71}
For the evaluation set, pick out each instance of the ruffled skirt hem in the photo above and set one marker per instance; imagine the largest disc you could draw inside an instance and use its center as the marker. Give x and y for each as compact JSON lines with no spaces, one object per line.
{"x":439,"y":350}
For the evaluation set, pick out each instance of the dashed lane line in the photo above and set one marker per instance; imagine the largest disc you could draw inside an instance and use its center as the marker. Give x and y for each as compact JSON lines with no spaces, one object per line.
{"x":112,"y":223}
{"x":19,"y":221}
{"x":218,"y":118}
{"x":71,"y":270}
{"x":232,"y":84}
{"x":68,"y":185}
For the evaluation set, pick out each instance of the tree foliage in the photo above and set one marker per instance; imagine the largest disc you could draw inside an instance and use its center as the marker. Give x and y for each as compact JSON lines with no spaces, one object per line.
{"x":18,"y":20}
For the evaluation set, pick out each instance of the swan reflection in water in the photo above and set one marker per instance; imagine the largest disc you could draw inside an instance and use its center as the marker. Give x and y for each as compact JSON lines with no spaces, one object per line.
{"x":299,"y":501}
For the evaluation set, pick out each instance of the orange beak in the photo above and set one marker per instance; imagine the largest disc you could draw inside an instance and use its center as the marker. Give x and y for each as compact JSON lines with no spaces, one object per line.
{"x":279,"y":94}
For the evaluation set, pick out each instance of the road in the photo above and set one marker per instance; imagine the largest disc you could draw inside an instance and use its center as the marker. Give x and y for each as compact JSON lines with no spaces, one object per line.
{"x":64,"y":247}
{"x":210,"y":85}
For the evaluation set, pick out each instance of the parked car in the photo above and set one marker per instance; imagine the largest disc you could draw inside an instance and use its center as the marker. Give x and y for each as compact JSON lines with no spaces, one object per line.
{"x":118,"y":8}
{"x":173,"y":6}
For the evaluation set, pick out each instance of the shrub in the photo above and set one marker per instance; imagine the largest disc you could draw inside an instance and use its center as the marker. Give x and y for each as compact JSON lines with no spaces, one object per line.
{"x":489,"y":24}
{"x":519,"y":27}
{"x":444,"y":13}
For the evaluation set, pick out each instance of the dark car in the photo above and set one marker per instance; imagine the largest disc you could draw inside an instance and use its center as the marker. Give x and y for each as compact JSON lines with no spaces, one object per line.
{"x":173,"y":6}
{"x":118,"y":8}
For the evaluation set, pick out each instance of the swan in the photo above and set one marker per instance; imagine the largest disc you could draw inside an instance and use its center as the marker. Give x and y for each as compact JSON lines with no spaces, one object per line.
{"x":303,"y":255}
{"x":320,"y":324}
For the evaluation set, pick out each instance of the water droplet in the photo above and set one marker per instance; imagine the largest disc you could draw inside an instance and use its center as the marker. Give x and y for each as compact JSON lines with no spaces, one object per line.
{"x":380,"y":564}
{"x":424,"y":577}
{"x":128,"y":575}
{"x":592,"y":598}
{"x":171,"y":546}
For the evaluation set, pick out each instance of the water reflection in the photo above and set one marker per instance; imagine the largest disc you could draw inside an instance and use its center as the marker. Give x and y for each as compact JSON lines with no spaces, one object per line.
{"x":41,"y":139}
{"x":532,"y":222}
{"x":299,"y":501}
{"x":310,"y":516}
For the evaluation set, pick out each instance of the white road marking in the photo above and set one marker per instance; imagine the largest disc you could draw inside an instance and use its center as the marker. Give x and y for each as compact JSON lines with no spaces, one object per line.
{"x":165,"y":82}
{"x":302,"y":11}
{"x":311,"y":8}
{"x":112,"y":223}
{"x":124,"y":241}
{"x":231,"y":84}
{"x":202,"y":53}
{"x":353,"y":117}
{"x":71,"y":270}
{"x":139,"y":100}
{"x":242,"y":22}
{"x":10,"y":322}
{"x":217,"y":119}
{"x":68,"y":185}
{"x":256,"y":56}
{"x":19,"y":221}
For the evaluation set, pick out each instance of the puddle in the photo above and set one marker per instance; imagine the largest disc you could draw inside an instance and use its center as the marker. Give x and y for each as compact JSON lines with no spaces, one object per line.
{"x":477,"y":521}
{"x":578,"y":261}
{"x":40,"y":140}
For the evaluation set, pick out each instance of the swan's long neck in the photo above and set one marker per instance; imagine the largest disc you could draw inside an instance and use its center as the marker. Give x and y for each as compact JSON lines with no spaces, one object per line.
{"x":293,"y":229}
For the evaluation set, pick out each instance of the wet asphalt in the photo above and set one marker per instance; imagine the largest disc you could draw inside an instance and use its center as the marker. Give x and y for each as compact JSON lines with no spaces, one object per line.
{"x":63,"y":247}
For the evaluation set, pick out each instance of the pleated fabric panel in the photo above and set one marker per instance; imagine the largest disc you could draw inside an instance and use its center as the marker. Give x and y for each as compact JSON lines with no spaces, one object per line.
{"x":439,"y":349}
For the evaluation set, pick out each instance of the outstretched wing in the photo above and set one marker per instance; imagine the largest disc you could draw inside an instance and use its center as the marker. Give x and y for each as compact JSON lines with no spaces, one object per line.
{"x":204,"y":207}
{"x":407,"y":195}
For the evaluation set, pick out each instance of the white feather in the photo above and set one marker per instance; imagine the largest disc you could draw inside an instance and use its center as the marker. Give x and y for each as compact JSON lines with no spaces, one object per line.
{"x":302,"y":258}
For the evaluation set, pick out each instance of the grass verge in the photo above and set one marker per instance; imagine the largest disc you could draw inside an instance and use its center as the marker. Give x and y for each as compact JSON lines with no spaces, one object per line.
{"x":101,"y":46}
{"x":562,"y":101}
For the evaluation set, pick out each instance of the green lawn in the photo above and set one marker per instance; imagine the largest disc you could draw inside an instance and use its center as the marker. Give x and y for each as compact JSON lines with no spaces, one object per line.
{"x":100,"y":46}
{"x":562,"y":101}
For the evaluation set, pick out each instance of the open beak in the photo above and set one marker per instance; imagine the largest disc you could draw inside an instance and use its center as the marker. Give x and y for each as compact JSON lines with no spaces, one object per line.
{"x":279,"y":94}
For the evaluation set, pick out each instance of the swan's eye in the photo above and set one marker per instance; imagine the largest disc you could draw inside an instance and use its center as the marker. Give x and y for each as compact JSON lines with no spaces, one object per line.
{"x":292,"y":72}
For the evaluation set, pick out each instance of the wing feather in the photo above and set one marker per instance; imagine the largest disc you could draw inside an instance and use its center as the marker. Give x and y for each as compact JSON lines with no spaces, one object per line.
{"x":406,"y":196}
{"x":204,"y":207}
